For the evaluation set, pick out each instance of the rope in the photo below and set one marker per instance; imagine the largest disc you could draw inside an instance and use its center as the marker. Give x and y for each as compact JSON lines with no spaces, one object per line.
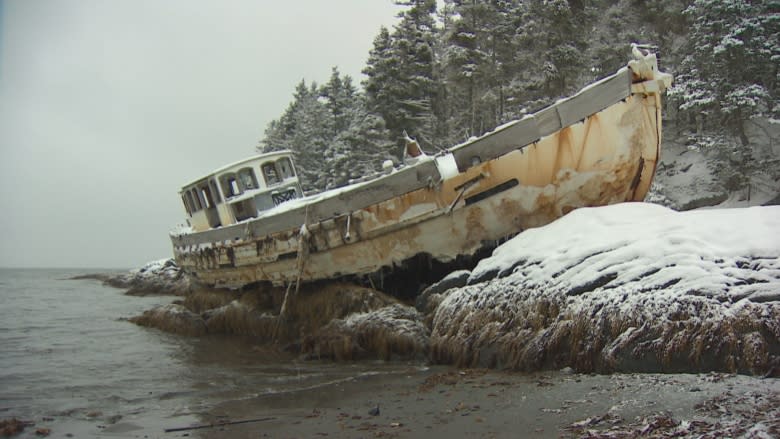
{"x":303,"y":253}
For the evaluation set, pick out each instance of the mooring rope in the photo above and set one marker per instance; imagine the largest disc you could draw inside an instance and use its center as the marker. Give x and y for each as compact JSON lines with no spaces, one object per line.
{"x":303,"y":252}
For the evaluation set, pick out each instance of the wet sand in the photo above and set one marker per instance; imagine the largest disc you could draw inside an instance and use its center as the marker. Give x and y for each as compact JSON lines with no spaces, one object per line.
{"x":442,"y":402}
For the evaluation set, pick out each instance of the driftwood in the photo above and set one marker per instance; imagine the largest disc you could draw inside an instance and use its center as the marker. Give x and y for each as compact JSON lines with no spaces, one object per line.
{"x":218,"y":424}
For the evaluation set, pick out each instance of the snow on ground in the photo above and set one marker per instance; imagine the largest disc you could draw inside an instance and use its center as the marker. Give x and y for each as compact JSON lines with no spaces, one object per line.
{"x":634,"y":287}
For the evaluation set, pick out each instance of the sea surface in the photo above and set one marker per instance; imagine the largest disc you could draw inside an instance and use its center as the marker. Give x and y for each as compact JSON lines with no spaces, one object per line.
{"x":71,"y":362}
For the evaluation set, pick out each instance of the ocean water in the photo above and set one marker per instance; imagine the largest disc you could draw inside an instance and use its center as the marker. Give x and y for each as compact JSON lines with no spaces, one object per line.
{"x":71,"y":362}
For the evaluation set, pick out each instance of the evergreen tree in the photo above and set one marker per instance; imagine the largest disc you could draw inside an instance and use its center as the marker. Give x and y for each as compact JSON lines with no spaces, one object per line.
{"x":400,"y":84}
{"x":360,"y":149}
{"x":339,"y":94}
{"x":311,"y":138}
{"x":560,"y":30}
{"x":382,"y":86}
{"x":478,"y":58}
{"x":279,"y":132}
{"x":331,"y":134}
{"x":730,"y":73}
{"x":728,"y":77}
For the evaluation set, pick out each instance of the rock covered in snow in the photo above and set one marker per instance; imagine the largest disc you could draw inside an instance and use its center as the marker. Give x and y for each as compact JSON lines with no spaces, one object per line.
{"x":239,"y":318}
{"x":394,"y":331}
{"x":431,"y":296}
{"x":630,"y":287}
{"x":157,"y":277}
{"x":172,"y":318}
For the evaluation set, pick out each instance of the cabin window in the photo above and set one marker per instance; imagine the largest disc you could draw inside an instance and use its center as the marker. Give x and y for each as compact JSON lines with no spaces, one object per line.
{"x":230,"y":186}
{"x":191,"y":203}
{"x":285,"y":167}
{"x":206,"y":194}
{"x":215,"y":190}
{"x":186,"y":205}
{"x":244,"y":209}
{"x":270,"y":174}
{"x":198,"y":205}
{"x":248,"y":179}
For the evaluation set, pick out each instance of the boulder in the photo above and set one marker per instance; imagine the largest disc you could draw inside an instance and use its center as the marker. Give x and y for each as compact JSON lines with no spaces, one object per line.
{"x":631,"y":288}
{"x":172,"y":318}
{"x":392,"y":332}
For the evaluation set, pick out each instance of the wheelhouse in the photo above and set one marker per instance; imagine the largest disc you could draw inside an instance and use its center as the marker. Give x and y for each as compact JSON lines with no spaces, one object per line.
{"x":241,"y":191}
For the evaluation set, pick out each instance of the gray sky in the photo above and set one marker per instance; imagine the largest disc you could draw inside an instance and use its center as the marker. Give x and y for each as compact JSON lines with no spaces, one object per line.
{"x":108,"y":107}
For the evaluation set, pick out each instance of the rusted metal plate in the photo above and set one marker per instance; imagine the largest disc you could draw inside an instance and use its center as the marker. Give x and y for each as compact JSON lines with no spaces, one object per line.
{"x":497,"y":143}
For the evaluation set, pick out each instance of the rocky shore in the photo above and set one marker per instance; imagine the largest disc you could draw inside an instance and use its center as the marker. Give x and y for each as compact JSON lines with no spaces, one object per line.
{"x":626,"y":288}
{"x":162,"y":277}
{"x":624,"y":321}
{"x":484,"y":403}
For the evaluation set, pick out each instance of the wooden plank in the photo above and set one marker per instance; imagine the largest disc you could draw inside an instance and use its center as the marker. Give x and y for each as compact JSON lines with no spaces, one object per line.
{"x":548,"y":120}
{"x":595,"y":98}
{"x":497,"y":143}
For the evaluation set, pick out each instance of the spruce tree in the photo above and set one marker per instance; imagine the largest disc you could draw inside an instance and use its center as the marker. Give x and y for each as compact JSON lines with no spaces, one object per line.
{"x":331,"y":134}
{"x":400,"y":84}
{"x":478,"y":57}
{"x":728,"y":77}
{"x":730,"y":73}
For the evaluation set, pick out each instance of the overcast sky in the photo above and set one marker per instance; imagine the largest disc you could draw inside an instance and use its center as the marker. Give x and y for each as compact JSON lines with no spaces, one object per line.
{"x":108,"y":107}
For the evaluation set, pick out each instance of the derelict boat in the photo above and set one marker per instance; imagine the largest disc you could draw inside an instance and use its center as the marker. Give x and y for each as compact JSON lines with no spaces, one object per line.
{"x":250,"y":222}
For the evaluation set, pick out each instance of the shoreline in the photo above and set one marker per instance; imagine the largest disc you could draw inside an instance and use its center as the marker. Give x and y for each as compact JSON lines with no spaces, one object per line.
{"x":487,"y":403}
{"x":415,"y":400}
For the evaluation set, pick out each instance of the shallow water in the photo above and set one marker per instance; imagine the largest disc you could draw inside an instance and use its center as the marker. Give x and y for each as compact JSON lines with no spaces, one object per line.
{"x":69,"y":361}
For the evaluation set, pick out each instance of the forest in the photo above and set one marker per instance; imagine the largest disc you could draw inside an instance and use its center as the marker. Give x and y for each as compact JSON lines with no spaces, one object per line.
{"x":448,"y":72}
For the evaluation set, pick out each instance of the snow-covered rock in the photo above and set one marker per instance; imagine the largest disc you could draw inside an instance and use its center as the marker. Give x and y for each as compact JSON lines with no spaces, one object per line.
{"x":430,"y":297}
{"x":631,"y":287}
{"x":157,"y":277}
{"x":394,"y":331}
{"x":172,"y":318}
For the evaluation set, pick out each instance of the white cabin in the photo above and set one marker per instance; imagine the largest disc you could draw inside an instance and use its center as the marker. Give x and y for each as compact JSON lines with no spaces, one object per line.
{"x":241,"y":190}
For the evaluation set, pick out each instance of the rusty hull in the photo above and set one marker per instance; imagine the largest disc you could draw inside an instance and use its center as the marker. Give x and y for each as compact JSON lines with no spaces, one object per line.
{"x":607,"y":158}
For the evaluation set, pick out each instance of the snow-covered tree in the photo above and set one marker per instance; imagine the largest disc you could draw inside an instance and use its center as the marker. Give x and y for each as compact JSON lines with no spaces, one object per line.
{"x":730,"y":73}
{"x":400,"y":84}
{"x":477,"y":57}
{"x":360,"y":148}
{"x":555,"y":31}
{"x":339,"y":94}
{"x":332,"y":135}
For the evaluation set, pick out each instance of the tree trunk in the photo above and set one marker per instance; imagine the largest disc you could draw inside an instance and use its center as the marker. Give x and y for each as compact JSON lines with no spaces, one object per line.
{"x":741,"y":131}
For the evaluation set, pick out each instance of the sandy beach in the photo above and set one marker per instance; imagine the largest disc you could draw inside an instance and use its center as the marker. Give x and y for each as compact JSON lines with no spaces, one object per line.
{"x":443,"y":402}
